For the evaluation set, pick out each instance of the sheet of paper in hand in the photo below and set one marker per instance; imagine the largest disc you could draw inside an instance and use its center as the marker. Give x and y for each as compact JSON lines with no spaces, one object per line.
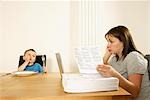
{"x":88,"y":58}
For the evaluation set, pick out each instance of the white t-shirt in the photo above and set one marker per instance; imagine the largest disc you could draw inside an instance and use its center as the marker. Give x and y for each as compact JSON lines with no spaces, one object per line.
{"x":133,"y":63}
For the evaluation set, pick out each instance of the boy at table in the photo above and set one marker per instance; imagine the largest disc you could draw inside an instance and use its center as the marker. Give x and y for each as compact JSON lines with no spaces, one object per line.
{"x":29,"y":63}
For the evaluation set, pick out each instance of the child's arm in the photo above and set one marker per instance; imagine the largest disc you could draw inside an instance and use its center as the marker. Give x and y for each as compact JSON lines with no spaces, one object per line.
{"x":23,"y":66}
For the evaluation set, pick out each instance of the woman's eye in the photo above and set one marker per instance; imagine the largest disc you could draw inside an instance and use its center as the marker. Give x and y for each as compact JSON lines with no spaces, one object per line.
{"x":111,"y":41}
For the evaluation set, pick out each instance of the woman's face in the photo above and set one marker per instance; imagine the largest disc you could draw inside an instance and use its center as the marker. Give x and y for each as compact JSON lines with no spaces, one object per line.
{"x":114,"y":45}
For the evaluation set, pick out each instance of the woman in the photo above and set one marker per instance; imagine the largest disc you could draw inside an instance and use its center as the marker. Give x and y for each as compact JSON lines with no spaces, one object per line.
{"x":124,"y":61}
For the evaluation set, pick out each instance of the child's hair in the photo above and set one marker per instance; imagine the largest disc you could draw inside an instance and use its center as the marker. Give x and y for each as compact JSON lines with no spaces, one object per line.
{"x":29,"y":50}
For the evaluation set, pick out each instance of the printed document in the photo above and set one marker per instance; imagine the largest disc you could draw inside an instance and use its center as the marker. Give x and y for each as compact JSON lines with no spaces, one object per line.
{"x":88,"y":58}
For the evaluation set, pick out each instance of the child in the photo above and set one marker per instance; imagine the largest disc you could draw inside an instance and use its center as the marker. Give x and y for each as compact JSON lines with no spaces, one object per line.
{"x":29,"y":63}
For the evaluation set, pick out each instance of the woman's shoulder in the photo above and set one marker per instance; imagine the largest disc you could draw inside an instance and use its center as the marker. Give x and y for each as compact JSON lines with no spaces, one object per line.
{"x":134,"y":55}
{"x":136,"y":63}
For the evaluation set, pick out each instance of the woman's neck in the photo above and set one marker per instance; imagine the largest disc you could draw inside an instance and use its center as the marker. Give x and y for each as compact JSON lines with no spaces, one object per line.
{"x":120,"y":56}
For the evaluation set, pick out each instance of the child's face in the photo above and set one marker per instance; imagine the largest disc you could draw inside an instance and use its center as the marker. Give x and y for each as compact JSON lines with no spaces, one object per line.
{"x":30,"y":56}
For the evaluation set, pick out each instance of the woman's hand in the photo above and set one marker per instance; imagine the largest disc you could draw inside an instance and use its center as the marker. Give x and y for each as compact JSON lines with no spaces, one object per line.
{"x":106,"y":56}
{"x":107,"y":70}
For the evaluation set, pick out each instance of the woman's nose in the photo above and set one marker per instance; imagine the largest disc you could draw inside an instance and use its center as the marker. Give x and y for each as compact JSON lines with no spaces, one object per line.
{"x":108,"y":44}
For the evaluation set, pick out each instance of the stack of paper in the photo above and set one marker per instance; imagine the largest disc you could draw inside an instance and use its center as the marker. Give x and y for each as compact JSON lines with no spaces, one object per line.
{"x":89,"y":80}
{"x":79,"y":83}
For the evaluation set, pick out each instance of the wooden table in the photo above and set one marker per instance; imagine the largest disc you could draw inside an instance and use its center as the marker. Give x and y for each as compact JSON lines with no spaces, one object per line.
{"x":48,"y":87}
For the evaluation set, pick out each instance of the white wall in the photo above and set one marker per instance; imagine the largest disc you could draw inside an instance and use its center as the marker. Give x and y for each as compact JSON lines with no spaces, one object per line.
{"x":1,"y":36}
{"x":53,"y":26}
{"x":41,"y":25}
{"x":148,"y":37}
{"x":133,"y":14}
{"x":110,"y":13}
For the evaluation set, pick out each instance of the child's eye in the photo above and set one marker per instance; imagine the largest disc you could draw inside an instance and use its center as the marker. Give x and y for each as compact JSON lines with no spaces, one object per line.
{"x":33,"y":55}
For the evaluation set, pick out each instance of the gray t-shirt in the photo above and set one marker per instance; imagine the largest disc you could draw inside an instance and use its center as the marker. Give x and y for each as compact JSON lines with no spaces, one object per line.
{"x":133,"y":63}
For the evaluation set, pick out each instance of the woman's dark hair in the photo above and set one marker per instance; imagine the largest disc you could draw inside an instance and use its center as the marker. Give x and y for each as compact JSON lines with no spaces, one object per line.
{"x":29,"y":50}
{"x":122,"y":33}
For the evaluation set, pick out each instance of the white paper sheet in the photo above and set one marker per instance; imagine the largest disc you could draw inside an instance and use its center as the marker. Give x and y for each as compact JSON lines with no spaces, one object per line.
{"x":88,"y":58}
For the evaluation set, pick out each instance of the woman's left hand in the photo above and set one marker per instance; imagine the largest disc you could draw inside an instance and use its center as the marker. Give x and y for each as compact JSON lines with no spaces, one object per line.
{"x":107,"y":70}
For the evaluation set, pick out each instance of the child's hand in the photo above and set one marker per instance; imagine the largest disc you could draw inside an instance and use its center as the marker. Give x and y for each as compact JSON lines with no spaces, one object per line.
{"x":26,"y":62}
{"x":23,"y":66}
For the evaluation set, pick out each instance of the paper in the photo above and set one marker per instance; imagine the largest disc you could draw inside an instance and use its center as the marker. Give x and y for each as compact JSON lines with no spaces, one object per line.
{"x":88,"y":58}
{"x":80,"y":83}
{"x":82,"y":76}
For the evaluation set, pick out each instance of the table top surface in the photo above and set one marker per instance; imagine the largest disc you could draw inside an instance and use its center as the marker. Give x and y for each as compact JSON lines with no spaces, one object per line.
{"x":44,"y":85}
